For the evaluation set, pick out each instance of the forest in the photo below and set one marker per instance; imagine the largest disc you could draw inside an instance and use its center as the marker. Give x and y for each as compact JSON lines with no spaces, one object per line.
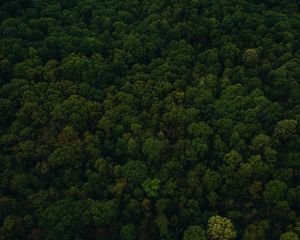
{"x":149,"y":119}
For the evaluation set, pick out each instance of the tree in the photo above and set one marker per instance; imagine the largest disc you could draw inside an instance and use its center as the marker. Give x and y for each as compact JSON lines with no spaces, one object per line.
{"x":275,"y":191}
{"x":250,"y":57}
{"x":211,"y":180}
{"x":163,"y":226}
{"x":285,"y":129}
{"x":201,"y":130}
{"x":128,"y":232}
{"x":12,"y":228}
{"x":289,"y":236}
{"x":153,"y":149}
{"x":151,"y":187}
{"x":220,"y":228}
{"x":73,"y":67}
{"x":62,"y":218}
{"x":135,"y":171}
{"x":103,"y":212}
{"x":256,"y":231}
{"x":194,"y":232}
{"x":230,"y":52}
{"x":260,"y":142}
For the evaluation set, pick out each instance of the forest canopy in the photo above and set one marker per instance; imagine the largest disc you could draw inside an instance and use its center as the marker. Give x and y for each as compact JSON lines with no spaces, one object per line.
{"x":142,"y":120}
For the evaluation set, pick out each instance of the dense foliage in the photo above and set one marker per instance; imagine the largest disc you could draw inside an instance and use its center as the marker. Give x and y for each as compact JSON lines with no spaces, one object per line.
{"x":158,"y":119}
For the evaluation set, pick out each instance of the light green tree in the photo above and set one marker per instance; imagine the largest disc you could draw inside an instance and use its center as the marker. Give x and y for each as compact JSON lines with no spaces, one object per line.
{"x":220,"y":228}
{"x":289,"y":236}
{"x":151,"y":187}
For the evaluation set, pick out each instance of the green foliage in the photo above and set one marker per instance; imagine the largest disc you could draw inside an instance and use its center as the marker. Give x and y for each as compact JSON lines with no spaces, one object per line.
{"x":250,"y":57}
{"x":128,"y":232}
{"x":151,"y":187}
{"x":103,"y":213}
{"x":256,"y":231}
{"x":285,"y":129}
{"x":152,"y":148}
{"x":163,"y":226}
{"x":194,"y":233}
{"x":142,"y":119}
{"x":135,"y":171}
{"x":220,"y":228}
{"x":289,"y":236}
{"x":274,"y":191}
